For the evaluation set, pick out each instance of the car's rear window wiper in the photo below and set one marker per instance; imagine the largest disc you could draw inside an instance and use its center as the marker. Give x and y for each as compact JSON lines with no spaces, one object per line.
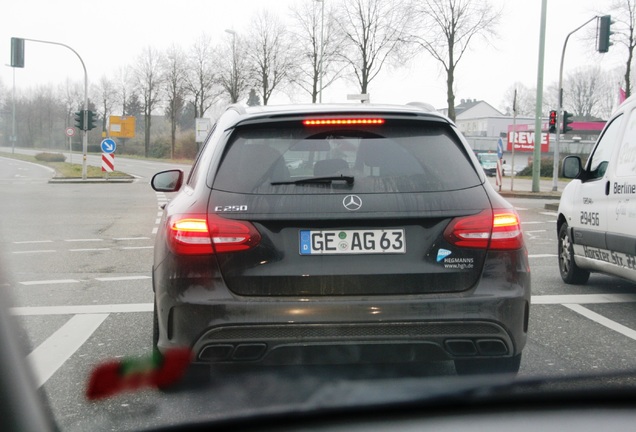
{"x":309,"y":180}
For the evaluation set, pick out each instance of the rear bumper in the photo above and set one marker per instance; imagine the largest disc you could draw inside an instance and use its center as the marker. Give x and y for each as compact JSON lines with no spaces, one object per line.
{"x":489,"y":320}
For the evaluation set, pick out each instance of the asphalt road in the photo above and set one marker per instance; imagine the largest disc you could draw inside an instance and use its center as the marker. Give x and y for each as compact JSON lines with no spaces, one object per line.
{"x":79,"y":257}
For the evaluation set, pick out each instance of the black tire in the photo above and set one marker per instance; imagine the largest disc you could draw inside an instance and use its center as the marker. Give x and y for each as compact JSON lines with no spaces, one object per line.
{"x":503,"y":365}
{"x":155,"y":327}
{"x":570,"y":272}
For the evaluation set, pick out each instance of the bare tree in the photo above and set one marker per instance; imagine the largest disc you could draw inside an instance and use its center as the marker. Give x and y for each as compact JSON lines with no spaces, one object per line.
{"x":320,"y":44}
{"x":447,"y":29}
{"x":550,"y":98}
{"x":148,"y":81}
{"x":269,"y":53}
{"x":106,"y":93}
{"x":202,"y":82}
{"x":174,"y":78}
{"x":124,"y":84}
{"x":234,"y":75}
{"x":608,"y":98}
{"x":373,"y":31}
{"x":582,"y":92}
{"x":525,"y":101}
{"x":624,"y":16}
{"x":72,"y":97}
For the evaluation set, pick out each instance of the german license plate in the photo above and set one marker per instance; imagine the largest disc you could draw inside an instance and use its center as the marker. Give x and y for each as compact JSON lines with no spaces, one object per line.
{"x":334,"y":242}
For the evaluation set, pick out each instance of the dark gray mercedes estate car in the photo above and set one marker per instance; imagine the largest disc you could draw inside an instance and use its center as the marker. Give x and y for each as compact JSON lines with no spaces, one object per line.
{"x":339,"y":234}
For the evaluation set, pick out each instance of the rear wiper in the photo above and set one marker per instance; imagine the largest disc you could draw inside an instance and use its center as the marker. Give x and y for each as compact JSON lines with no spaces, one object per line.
{"x":309,"y":180}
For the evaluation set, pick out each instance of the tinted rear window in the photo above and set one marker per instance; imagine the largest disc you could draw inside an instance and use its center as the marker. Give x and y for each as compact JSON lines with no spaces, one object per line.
{"x":413,"y":156}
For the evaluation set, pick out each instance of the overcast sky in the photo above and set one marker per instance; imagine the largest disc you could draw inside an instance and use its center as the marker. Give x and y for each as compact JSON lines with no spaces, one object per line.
{"x":112,"y":33}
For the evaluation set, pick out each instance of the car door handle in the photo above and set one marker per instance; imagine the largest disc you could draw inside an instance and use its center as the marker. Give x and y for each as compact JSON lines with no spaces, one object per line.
{"x":607,"y":188}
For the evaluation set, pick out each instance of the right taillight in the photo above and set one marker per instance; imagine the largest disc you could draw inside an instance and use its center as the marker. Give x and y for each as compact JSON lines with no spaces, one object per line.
{"x":201,"y":235}
{"x":495,"y":229}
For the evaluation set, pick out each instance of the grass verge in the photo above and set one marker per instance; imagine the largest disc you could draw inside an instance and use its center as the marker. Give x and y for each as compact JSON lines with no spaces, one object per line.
{"x":68,"y":170}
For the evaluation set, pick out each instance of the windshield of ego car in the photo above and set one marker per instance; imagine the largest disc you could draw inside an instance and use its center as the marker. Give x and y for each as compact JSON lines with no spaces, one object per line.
{"x":105,"y":310}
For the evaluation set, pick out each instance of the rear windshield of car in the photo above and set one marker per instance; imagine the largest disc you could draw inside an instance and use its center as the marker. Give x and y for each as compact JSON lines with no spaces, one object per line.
{"x":398,"y":157}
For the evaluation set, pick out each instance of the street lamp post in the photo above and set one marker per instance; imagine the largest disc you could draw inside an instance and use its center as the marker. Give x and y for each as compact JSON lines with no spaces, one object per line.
{"x":85,"y":112}
{"x":13,"y":138}
{"x":556,"y":157}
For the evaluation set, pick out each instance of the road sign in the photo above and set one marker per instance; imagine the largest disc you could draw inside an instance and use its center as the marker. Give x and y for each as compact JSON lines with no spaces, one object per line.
{"x":500,"y":148}
{"x":70,"y":131}
{"x":203,"y":126}
{"x":109,"y":145}
{"x":121,"y":127}
{"x":108,"y":162}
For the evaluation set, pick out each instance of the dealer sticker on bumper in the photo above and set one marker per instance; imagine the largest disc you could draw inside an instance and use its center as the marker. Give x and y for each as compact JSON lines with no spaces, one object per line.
{"x":322,"y":242}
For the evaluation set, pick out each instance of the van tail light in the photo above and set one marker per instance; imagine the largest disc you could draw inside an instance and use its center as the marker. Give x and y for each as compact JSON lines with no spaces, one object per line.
{"x":205,"y":235}
{"x":497,"y":229}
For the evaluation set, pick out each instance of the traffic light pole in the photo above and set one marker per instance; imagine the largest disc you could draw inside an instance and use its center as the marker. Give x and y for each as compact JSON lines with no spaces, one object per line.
{"x":84,"y":132}
{"x":555,"y":166}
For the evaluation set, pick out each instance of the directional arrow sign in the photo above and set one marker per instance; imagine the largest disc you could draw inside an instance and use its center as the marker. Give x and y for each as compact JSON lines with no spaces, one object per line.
{"x":109,"y":145}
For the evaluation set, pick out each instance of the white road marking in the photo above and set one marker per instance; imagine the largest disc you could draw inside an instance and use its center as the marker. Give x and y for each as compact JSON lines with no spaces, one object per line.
{"x":549,"y":213}
{"x":521,"y":208}
{"x":34,"y":251}
{"x":84,"y":240}
{"x":33,"y":242}
{"x":535,"y":231}
{"x":137,"y":247}
{"x":542,"y":256}
{"x":81,"y":309}
{"x":121,"y":278}
{"x":583,"y":299}
{"x":130,"y":238}
{"x":89,"y":250}
{"x":104,"y":279}
{"x":161,"y":200}
{"x":532,"y":222}
{"x":50,"y":282}
{"x":47,"y":358}
{"x":600,"y":319}
{"x":148,"y":307}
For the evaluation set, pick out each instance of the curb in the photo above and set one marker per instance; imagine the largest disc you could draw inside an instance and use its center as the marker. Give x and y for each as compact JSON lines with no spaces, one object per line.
{"x":537,"y":195}
{"x":90,"y":180}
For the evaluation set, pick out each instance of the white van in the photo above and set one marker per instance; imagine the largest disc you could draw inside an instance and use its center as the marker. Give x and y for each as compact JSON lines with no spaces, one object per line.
{"x":597,"y":212}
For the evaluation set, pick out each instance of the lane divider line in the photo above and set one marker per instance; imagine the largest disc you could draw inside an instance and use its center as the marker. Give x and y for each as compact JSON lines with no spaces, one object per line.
{"x":51,"y":354}
{"x":583,"y":299}
{"x":81,"y":309}
{"x":121,"y":278}
{"x":51,"y":281}
{"x":600,"y":319}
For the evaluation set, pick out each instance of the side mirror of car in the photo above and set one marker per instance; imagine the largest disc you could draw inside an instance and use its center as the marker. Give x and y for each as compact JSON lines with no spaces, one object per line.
{"x":572,"y":167}
{"x":167,"y":181}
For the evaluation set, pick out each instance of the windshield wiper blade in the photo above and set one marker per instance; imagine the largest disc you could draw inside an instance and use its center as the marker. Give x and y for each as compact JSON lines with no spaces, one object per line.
{"x":310,"y":180}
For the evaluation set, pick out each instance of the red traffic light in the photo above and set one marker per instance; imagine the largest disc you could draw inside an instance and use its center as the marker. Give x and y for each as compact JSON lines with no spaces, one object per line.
{"x":553,"y":121}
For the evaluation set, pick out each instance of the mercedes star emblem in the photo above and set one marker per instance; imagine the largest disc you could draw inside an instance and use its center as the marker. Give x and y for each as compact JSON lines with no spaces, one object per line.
{"x":352,"y":202}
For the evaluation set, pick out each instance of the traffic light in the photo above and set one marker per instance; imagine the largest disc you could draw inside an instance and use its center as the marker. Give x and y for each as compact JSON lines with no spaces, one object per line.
{"x":603,"y":38}
{"x":567,"y":119}
{"x":79,"y":120}
{"x":91,"y":120}
{"x":17,"y":52}
{"x":553,"y":121}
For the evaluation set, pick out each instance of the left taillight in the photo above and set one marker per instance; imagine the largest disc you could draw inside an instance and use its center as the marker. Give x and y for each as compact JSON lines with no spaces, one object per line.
{"x":201,"y":235}
{"x":498,"y":229}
